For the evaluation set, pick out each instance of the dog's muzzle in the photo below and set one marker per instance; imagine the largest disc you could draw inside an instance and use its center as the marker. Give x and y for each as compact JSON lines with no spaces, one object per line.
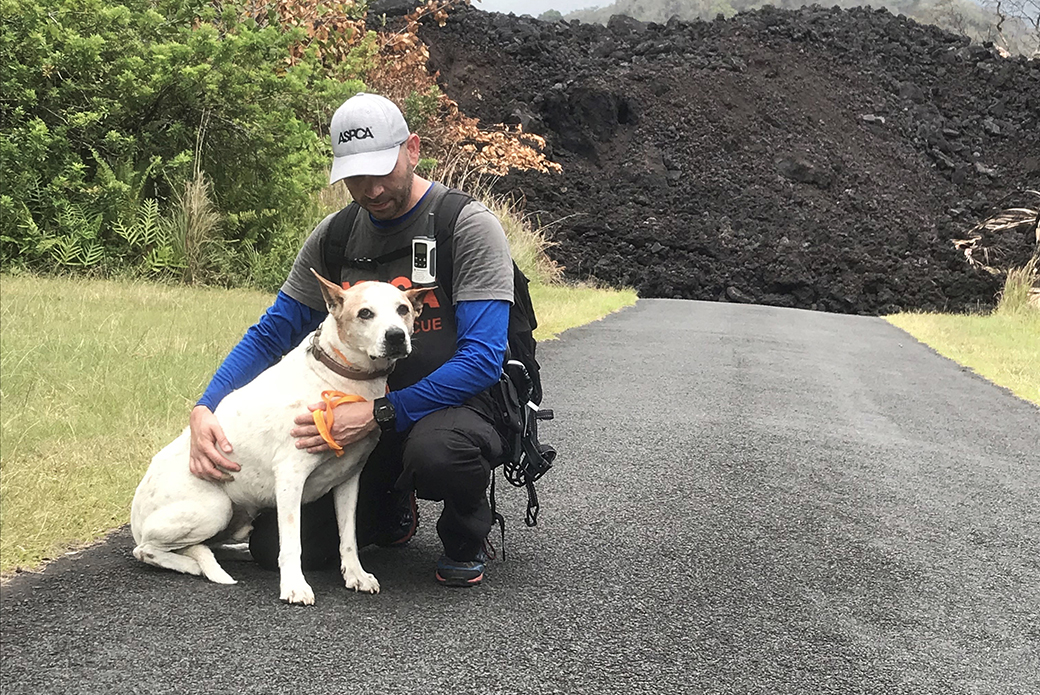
{"x":395,"y":343}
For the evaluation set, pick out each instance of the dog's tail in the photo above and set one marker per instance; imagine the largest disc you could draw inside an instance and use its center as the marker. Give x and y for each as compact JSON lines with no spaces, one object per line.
{"x":211,"y":569}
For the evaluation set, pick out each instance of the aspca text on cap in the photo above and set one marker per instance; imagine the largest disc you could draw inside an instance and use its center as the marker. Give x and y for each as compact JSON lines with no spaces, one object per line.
{"x":355,"y":134}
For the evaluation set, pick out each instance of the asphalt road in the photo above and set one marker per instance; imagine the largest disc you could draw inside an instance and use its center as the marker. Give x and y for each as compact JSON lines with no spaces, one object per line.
{"x":747,"y":500}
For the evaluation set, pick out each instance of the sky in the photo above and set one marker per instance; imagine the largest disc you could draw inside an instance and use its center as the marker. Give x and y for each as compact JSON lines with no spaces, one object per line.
{"x":536,"y":7}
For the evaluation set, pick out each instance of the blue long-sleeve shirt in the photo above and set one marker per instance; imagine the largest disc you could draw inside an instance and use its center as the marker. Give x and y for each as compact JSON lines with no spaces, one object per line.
{"x":481,"y":339}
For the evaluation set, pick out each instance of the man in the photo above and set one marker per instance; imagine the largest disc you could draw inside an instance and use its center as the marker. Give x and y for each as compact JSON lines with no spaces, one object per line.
{"x":438,"y":440}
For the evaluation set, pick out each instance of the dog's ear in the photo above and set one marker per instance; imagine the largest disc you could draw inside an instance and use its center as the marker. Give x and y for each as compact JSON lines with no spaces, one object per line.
{"x":417,"y":296}
{"x":332,"y":293}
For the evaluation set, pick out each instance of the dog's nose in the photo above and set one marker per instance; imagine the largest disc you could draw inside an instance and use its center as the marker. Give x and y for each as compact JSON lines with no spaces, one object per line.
{"x":395,"y":337}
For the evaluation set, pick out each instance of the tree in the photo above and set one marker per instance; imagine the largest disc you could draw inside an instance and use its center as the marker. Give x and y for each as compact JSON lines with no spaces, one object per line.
{"x":1018,"y":25}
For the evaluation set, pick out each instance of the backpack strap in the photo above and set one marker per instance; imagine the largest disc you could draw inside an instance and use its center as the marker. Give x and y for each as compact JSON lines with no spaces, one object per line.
{"x":335,"y":246}
{"x":496,"y":517}
{"x":447,"y":215}
{"x":340,"y":228}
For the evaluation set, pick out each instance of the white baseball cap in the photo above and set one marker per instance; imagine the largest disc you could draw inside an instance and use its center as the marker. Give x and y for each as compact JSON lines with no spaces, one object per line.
{"x":367,"y":133}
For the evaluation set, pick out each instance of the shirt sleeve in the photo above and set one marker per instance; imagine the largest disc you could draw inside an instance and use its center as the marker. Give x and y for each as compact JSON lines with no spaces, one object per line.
{"x":483,"y":267}
{"x":278,"y":331}
{"x":482,"y":337}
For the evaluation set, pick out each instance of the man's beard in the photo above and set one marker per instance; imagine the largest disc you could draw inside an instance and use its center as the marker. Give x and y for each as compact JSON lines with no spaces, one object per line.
{"x":398,"y":202}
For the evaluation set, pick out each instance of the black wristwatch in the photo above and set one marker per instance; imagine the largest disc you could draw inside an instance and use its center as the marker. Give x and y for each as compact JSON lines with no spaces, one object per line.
{"x":385,"y":415}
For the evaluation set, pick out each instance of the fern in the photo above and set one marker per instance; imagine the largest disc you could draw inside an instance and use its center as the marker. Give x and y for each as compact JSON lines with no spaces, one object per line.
{"x":74,"y":222}
{"x":78,"y":245}
{"x":150,"y":223}
{"x":106,"y":176}
{"x":144,"y":229}
{"x":131,"y":234}
{"x":65,"y":252}
{"x":91,"y":255}
{"x":25,"y":235}
{"x":162,"y":259}
{"x":35,"y":196}
{"x":126,"y":181}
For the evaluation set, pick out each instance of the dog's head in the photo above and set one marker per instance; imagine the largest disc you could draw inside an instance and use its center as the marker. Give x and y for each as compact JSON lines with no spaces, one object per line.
{"x":374,"y":319}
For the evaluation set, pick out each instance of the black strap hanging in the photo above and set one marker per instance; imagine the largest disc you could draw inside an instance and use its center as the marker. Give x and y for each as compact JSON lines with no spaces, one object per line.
{"x":496,"y":516}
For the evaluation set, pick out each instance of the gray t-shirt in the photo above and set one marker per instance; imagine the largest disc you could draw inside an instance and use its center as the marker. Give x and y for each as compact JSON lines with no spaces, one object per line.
{"x":482,"y":269}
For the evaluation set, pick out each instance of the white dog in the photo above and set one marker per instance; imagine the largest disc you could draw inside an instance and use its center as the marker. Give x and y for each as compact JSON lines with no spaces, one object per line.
{"x":175,"y":514}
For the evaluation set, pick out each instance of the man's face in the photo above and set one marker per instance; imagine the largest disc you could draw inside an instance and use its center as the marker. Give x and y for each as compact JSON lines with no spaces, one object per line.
{"x":385,"y":197}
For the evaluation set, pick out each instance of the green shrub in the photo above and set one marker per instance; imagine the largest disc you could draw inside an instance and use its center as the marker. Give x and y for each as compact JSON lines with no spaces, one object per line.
{"x":107,"y":106}
{"x":419,"y":107}
{"x":426,"y":166}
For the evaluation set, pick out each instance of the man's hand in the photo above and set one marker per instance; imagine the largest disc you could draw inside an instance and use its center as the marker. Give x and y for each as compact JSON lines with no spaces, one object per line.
{"x":207,"y":443}
{"x":352,"y":422}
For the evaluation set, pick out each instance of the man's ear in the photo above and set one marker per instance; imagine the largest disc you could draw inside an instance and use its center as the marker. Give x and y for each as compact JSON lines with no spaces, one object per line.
{"x":412,"y":148}
{"x":417,"y":296}
{"x":332,"y":293}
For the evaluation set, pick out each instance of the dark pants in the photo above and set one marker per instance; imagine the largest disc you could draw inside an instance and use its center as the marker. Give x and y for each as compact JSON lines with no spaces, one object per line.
{"x":445,"y":457}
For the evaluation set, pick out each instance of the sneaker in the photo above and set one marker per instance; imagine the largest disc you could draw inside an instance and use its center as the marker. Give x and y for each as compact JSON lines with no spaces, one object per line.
{"x":454,"y":573}
{"x":405,"y":522}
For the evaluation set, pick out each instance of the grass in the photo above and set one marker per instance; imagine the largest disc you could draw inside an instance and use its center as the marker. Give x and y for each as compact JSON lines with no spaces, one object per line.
{"x":560,"y":307}
{"x":98,"y":375}
{"x":1003,"y":346}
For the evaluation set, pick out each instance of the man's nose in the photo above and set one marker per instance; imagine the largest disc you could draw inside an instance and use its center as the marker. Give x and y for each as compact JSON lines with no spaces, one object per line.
{"x":373,"y":187}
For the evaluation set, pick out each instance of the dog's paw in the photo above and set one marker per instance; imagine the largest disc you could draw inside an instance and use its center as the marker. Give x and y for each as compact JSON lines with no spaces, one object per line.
{"x":221,"y":578}
{"x":361,"y":581}
{"x":301,"y":594}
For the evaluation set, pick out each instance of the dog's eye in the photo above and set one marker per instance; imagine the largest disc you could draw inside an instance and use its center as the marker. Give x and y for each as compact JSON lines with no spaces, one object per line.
{"x":403,"y":310}
{"x":365,"y":314}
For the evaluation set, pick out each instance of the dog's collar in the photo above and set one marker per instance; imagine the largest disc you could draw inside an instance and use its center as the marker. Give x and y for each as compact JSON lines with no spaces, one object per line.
{"x":348,"y":370}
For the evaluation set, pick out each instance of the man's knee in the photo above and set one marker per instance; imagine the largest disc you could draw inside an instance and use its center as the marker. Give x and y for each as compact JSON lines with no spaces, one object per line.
{"x":449,"y":459}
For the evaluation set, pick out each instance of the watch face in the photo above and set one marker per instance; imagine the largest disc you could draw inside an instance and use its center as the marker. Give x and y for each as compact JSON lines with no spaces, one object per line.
{"x":384,"y":413}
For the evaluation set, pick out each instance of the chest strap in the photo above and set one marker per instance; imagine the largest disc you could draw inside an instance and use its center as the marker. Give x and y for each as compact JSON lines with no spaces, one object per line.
{"x":372,"y":264}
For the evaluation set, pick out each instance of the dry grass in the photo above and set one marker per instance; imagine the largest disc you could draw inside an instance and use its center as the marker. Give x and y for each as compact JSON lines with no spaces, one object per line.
{"x":527,"y":243}
{"x":1021,"y":291}
{"x":193,"y":224}
{"x":333,"y":198}
{"x":1003,"y":346}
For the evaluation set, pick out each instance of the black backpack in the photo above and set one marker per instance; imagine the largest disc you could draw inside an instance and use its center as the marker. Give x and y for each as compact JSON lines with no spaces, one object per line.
{"x":519,"y":391}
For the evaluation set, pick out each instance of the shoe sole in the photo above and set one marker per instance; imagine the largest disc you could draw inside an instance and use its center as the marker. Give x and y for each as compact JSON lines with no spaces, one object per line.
{"x":459,"y":581}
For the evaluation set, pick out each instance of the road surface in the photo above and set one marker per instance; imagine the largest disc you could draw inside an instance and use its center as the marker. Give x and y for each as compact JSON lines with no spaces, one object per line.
{"x":747,"y":500}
